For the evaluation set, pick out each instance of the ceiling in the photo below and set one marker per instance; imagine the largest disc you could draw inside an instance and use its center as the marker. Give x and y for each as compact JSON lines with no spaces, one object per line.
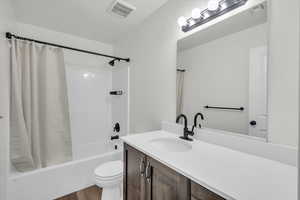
{"x":85,"y":18}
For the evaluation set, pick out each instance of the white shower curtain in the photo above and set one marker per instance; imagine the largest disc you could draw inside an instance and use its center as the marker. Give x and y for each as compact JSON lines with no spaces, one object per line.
{"x":40,"y":125}
{"x":179,"y":85}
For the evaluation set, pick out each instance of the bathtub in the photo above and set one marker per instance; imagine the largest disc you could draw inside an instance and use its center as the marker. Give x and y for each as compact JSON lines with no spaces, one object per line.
{"x":56,"y":181}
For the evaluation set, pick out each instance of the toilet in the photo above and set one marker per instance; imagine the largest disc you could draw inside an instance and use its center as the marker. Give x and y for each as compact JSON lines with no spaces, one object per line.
{"x":109,"y":177}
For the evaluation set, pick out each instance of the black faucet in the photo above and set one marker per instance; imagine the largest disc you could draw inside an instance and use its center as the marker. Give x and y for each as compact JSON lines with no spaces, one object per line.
{"x":195,"y":120}
{"x":186,"y":131}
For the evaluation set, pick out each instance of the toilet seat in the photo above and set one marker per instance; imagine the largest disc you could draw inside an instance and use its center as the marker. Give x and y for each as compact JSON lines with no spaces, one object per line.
{"x":109,"y":176}
{"x":110,"y":170}
{"x":113,"y":179}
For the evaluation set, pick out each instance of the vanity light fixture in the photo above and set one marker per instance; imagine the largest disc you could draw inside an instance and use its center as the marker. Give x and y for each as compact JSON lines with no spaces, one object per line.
{"x":215,"y":8}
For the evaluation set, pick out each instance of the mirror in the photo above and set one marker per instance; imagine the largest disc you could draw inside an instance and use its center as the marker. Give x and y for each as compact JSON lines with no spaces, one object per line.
{"x":222,"y":73}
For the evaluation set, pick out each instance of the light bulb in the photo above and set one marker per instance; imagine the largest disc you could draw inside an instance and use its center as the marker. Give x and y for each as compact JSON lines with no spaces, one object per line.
{"x":213,"y":5}
{"x":196,"y":13}
{"x":181,"y":21}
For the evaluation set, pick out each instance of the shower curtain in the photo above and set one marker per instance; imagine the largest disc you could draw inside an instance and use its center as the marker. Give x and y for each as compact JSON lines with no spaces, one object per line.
{"x":179,"y":86}
{"x":40,"y":126}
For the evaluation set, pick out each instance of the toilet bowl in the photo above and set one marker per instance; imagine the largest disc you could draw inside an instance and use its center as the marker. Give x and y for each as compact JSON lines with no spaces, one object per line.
{"x":109,"y":177}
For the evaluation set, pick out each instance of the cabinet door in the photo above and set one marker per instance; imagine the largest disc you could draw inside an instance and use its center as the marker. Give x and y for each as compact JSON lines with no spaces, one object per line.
{"x":200,"y":193}
{"x":134,"y":169}
{"x":163,"y":183}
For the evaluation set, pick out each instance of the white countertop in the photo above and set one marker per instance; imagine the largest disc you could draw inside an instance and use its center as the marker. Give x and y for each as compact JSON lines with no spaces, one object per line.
{"x":231,"y":174}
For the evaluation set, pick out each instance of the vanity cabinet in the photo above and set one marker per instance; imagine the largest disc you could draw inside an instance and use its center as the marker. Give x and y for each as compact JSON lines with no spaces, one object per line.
{"x":201,"y":193}
{"x":164,"y":183}
{"x":134,"y":174}
{"x":147,"y":179}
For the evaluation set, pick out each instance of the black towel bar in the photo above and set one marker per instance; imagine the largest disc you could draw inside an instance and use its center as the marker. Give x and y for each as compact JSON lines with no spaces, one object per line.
{"x":225,"y":108}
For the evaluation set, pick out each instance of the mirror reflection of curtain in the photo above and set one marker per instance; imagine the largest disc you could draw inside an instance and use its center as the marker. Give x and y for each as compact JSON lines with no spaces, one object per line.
{"x":40,"y":126}
{"x":179,"y":85}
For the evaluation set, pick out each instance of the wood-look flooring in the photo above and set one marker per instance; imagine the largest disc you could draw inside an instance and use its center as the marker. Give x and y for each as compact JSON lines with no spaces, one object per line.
{"x":91,"y":193}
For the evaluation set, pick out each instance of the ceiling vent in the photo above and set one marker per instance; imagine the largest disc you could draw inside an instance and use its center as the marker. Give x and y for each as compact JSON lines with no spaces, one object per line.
{"x":121,"y":8}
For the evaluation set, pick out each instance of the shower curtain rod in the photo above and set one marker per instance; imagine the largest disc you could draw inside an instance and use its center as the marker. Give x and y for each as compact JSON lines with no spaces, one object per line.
{"x":112,"y":62}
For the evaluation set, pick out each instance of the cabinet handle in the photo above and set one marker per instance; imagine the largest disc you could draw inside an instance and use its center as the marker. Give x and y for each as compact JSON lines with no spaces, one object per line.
{"x":148,"y":172}
{"x":142,"y":166}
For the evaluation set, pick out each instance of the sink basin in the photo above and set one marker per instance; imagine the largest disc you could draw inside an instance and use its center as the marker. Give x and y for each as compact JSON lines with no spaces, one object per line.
{"x":170,"y":144}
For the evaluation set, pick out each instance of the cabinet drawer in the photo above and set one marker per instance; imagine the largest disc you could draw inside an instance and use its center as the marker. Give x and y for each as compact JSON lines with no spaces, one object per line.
{"x":201,"y":193}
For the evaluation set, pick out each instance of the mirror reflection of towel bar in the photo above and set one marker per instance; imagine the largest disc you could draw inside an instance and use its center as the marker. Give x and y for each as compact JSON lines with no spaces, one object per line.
{"x":117,"y":92}
{"x":224,"y":108}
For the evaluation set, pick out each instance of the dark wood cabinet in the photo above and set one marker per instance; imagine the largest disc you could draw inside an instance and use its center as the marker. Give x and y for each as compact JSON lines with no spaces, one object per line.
{"x":147,"y":179}
{"x":201,"y":193}
{"x":164,"y":183}
{"x":134,"y":169}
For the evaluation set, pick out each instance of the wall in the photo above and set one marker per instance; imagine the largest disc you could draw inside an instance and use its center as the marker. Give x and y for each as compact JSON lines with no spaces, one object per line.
{"x":152,"y":48}
{"x":40,"y":33}
{"x":299,"y":114}
{"x":4,"y":120}
{"x":7,"y":18}
{"x":120,"y":103}
{"x":90,"y":108}
{"x":218,"y":74}
{"x":284,"y":72}
{"x":6,"y":23}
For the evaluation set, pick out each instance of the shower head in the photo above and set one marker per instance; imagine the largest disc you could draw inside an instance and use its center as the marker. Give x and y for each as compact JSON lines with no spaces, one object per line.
{"x":112,"y":62}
